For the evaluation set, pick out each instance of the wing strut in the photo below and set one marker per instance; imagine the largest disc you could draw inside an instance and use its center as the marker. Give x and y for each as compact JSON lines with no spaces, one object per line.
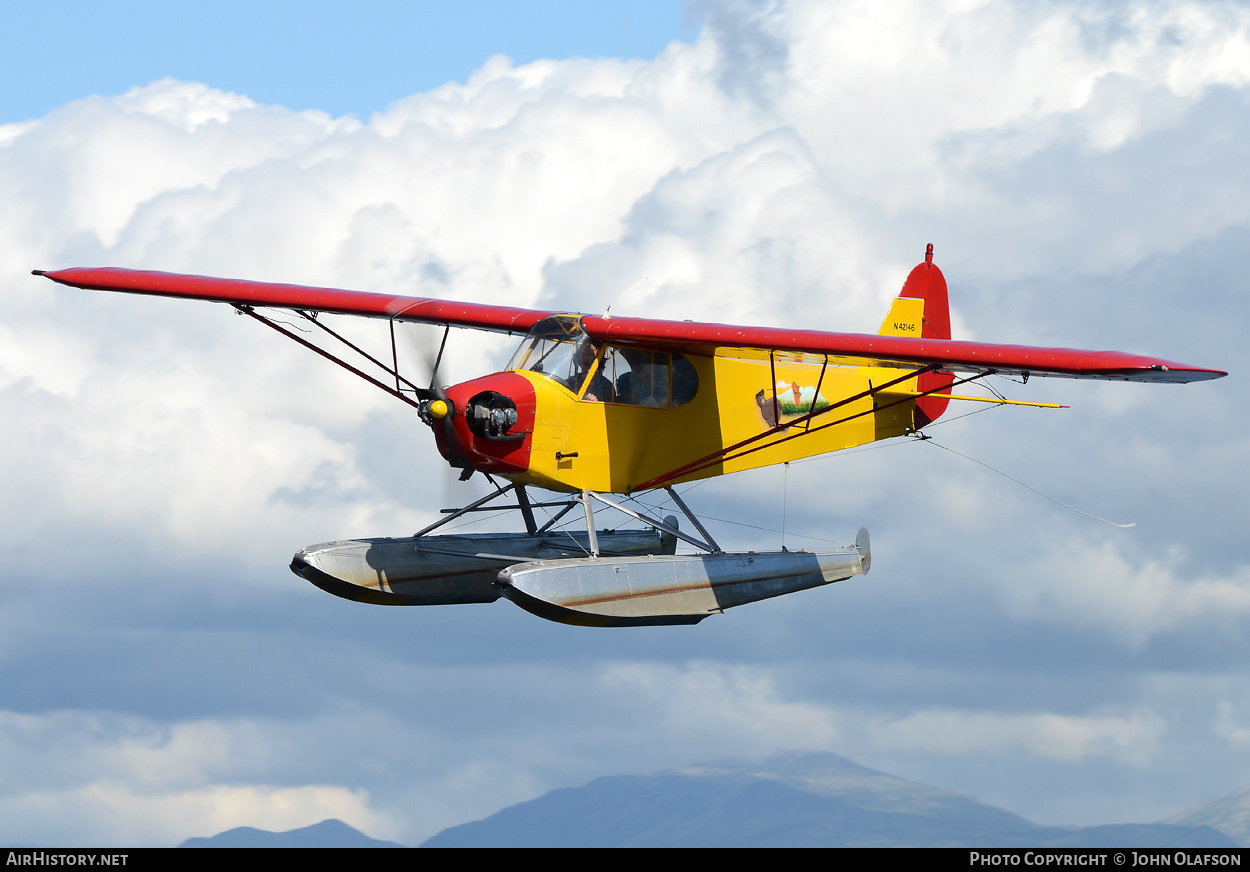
{"x":820,"y":381}
{"x":729,"y":453}
{"x":248,"y":310}
{"x":394,"y":354}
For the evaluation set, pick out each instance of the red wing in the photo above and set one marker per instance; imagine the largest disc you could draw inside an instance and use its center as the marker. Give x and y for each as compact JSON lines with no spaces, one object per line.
{"x":476,"y":315}
{"x":846,"y":348}
{"x":860,"y":349}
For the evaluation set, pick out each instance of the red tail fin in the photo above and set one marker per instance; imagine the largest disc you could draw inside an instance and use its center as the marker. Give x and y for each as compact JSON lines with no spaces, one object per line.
{"x":927,"y":284}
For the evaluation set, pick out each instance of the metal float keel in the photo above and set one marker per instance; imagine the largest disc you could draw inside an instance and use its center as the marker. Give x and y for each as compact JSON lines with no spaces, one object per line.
{"x":663,"y":590}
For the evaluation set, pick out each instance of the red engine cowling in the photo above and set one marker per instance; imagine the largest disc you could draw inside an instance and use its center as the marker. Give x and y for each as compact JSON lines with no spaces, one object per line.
{"x":491,"y":426}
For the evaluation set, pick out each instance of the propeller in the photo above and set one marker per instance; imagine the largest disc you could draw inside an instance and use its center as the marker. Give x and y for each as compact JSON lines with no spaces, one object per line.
{"x":436,"y":408}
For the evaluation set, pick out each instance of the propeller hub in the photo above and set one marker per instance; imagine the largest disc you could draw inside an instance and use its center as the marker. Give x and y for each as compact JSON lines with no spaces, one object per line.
{"x":435,"y":409}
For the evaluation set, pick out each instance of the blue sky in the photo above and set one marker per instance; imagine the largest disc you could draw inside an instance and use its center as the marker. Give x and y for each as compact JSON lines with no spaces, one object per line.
{"x":1081,"y":170}
{"x":340,"y":58}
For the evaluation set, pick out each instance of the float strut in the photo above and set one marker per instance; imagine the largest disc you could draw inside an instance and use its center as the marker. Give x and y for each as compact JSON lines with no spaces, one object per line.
{"x":689,"y":514}
{"x":590,"y":524}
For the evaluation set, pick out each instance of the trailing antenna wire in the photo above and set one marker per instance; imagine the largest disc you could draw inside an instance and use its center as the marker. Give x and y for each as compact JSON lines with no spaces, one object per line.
{"x":931,"y":441}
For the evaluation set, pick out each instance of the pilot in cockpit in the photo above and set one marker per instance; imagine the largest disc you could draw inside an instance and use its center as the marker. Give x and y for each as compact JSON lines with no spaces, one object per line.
{"x":600,"y":389}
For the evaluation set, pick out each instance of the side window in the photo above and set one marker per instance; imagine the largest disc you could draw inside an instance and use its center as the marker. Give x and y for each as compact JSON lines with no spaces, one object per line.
{"x":685,"y":380}
{"x":616,"y":368}
{"x":648,"y":384}
{"x":638,"y":377}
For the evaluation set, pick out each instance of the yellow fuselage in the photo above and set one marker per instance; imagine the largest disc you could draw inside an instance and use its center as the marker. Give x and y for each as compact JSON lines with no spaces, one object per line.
{"x":578,"y":444}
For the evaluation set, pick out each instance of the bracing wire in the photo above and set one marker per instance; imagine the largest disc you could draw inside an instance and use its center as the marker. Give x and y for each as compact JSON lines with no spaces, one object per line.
{"x":767,"y":529}
{"x":785,"y":493}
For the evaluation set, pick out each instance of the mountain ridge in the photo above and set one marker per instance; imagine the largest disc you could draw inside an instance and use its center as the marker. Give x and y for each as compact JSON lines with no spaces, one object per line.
{"x":795,"y":799}
{"x":792,"y":799}
{"x":330,"y":833}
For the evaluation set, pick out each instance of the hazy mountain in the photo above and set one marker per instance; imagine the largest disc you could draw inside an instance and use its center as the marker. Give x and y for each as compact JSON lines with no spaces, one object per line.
{"x":1230,"y":814}
{"x":797,"y":800}
{"x":327,"y":834}
{"x":791,"y":800}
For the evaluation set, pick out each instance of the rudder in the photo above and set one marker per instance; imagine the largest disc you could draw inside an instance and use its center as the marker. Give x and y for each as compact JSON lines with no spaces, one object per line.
{"x":922,"y":310}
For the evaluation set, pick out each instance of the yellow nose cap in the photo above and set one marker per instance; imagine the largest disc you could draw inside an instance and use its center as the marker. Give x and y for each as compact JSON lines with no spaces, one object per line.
{"x":438,"y":410}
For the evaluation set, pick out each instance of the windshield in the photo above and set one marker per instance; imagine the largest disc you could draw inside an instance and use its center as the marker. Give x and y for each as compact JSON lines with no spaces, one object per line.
{"x":557,"y":349}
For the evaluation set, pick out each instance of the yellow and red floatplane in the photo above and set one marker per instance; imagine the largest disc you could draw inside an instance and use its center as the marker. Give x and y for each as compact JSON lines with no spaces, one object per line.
{"x":597,"y":409}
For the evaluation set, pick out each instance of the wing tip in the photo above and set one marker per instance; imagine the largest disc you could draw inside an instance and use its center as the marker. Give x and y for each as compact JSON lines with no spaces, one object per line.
{"x":1179,"y":375}
{"x":1183,"y":374}
{"x":1195,"y":373}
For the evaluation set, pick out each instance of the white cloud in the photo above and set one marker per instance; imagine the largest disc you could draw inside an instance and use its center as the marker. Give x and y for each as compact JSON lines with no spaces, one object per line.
{"x":1135,"y":738}
{"x":1230,"y":728}
{"x":879,"y":87}
{"x":128,"y":781}
{"x":724,"y":705}
{"x":747,"y":707}
{"x":1096,"y":586}
{"x":787,"y":168}
{"x":114,"y":813}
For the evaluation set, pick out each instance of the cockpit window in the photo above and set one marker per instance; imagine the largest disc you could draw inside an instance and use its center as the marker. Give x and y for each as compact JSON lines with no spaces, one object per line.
{"x":639,"y":377}
{"x":557,"y":348}
{"x":685,"y":380}
{"x":646,"y":377}
{"x":642,"y":377}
